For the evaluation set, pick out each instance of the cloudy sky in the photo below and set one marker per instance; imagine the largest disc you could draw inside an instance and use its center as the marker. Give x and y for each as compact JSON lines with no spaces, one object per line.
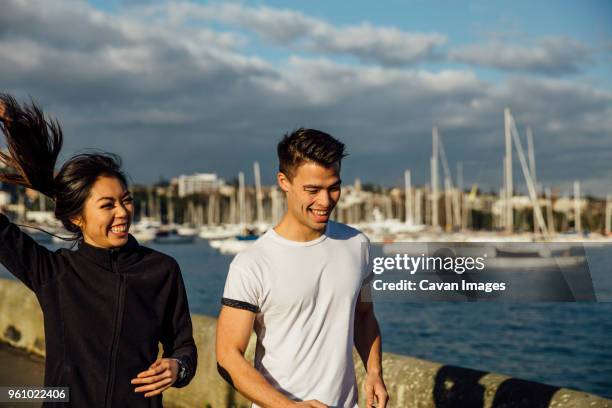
{"x":183,"y":87}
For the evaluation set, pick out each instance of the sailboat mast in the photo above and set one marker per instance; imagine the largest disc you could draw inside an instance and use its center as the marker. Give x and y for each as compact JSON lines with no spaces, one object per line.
{"x":509,"y":219}
{"x":408,"y":201}
{"x":434,"y":178}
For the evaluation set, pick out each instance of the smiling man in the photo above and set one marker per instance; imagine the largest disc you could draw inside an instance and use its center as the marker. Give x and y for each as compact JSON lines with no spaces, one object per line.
{"x":299,"y":287}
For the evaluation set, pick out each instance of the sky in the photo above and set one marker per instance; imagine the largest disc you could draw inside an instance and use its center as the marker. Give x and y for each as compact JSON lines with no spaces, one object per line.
{"x":196,"y":86}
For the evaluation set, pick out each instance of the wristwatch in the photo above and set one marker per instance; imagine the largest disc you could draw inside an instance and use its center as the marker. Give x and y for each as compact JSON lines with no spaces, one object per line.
{"x":182,"y":370}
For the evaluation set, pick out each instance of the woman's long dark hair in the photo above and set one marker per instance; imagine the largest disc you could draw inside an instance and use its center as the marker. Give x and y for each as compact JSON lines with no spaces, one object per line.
{"x":34,"y":143}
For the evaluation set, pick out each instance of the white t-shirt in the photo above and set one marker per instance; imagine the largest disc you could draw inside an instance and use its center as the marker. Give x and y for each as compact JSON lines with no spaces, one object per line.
{"x":304,"y":294}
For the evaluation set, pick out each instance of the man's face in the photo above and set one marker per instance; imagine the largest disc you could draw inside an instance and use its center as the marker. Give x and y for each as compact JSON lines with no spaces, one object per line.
{"x":312,"y":194}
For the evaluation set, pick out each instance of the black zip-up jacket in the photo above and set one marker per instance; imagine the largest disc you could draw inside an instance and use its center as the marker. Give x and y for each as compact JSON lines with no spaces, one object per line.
{"x":105,"y":312}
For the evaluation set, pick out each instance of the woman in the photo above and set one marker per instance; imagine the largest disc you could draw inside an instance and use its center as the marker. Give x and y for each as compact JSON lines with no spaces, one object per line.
{"x":109,"y":303}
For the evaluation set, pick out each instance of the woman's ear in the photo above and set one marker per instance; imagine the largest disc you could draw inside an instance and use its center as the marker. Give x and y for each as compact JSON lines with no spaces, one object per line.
{"x":77,"y":220}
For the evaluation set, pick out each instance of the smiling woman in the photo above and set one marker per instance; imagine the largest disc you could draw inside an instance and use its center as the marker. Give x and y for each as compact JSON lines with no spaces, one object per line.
{"x":109,"y":303}
{"x":106,"y":218}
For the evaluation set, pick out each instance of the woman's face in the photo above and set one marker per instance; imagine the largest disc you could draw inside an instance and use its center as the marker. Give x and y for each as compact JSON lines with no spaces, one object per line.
{"x":107,"y":214}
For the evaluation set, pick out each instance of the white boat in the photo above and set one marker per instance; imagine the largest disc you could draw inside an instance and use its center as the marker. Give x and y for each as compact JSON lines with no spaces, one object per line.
{"x":145,"y":229}
{"x":218,"y":232}
{"x":187,"y":230}
{"x":230,"y":246}
{"x":501,"y":255}
{"x":171,"y":236}
{"x":237,"y":243}
{"x":535,"y":256}
{"x":535,"y":262}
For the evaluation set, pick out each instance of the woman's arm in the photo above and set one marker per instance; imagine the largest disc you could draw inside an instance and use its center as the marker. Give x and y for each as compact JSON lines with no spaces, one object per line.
{"x":177,"y":337}
{"x":30,"y":262}
{"x":178,"y":365}
{"x":33,"y":144}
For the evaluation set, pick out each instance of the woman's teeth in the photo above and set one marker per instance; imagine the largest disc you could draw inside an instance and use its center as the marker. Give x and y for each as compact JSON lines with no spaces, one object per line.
{"x":119,"y":228}
{"x":319,"y":212}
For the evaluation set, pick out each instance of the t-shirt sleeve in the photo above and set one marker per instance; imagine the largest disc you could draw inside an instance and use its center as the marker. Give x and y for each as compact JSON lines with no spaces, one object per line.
{"x":366,"y":273}
{"x":366,"y":270}
{"x":242,"y":289}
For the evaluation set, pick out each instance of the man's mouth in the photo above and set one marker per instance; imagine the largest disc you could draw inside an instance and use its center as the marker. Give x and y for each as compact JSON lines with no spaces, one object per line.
{"x":320,"y":215}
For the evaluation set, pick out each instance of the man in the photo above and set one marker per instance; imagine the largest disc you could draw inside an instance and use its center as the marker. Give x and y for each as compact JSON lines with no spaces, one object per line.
{"x":299,"y":287}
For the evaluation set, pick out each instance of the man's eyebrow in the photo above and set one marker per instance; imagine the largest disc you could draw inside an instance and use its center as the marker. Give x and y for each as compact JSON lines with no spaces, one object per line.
{"x":320,"y":186}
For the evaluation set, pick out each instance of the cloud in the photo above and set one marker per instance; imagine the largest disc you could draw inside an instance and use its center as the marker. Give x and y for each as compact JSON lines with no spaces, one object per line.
{"x":368,"y":43}
{"x":132,"y":57}
{"x":385,"y":45}
{"x":553,"y":56}
{"x":175,"y":98}
{"x":67,"y":24}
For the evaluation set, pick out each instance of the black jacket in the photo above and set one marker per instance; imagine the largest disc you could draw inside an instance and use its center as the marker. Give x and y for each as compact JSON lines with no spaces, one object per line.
{"x":105,"y":312}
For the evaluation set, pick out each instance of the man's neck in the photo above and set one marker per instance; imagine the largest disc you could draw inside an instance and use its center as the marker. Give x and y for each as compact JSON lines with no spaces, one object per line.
{"x":289,"y":228}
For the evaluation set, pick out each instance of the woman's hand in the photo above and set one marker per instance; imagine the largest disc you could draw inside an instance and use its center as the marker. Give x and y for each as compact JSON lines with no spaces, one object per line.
{"x":158,"y":378}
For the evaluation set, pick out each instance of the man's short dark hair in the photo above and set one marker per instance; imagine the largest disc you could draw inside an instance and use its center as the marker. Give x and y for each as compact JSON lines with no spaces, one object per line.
{"x":304,"y":145}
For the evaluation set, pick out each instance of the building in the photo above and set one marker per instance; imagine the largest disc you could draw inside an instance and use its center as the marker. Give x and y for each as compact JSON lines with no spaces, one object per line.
{"x":198,"y":183}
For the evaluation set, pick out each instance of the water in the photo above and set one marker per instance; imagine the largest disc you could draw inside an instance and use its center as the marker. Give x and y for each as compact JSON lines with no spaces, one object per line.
{"x":562,"y":344}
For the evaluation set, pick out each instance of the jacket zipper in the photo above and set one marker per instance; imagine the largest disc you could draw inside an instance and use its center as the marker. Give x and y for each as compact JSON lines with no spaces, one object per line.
{"x":110,"y":384}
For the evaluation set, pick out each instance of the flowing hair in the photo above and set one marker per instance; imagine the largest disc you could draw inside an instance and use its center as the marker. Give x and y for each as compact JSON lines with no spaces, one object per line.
{"x":34,"y":143}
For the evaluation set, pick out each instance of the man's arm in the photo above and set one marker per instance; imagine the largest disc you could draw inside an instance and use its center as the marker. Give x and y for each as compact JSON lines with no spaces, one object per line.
{"x":234,"y":329}
{"x":368,"y":345}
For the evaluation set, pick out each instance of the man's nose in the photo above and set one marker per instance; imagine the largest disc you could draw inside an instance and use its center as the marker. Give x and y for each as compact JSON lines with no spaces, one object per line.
{"x":324,"y":199}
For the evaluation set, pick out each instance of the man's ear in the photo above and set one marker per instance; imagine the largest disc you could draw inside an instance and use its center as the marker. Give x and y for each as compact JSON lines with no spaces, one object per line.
{"x":283,"y":181}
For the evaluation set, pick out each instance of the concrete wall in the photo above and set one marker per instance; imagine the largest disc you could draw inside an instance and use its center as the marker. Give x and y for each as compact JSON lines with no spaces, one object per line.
{"x":411,"y":382}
